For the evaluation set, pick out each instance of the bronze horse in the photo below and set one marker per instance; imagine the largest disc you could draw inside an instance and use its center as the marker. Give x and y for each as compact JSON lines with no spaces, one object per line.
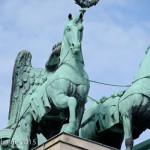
{"x":127,"y":114}
{"x":50,"y":100}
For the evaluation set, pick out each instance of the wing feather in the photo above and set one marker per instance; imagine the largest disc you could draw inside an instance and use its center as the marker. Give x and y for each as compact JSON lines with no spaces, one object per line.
{"x":25,"y":81}
{"x":20,"y":84}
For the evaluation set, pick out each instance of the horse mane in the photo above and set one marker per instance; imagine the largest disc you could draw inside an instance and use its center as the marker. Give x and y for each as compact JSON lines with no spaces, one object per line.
{"x":147,"y":50}
{"x":56,"y":46}
{"x":54,"y":60}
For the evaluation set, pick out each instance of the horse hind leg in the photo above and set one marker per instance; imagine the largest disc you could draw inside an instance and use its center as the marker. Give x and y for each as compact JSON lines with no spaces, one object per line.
{"x":79,"y":112}
{"x":127,"y":124}
{"x":126,"y":109}
{"x":128,"y":131}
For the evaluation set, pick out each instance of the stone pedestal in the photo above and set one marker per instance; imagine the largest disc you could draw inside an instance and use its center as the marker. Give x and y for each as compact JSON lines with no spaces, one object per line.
{"x":65,"y":141}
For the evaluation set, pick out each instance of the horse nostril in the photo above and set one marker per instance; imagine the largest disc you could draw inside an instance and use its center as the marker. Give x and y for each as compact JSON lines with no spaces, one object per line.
{"x":72,"y":44}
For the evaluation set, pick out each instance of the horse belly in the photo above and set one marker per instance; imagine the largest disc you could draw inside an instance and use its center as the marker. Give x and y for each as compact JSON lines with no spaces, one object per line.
{"x":142,"y":109}
{"x":139,"y":87}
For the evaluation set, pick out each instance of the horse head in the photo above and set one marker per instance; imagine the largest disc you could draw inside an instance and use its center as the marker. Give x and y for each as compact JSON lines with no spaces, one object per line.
{"x":74,"y":32}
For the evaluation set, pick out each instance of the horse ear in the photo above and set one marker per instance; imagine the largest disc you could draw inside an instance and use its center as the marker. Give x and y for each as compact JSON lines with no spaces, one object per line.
{"x":70,"y":16}
{"x":82,"y":11}
{"x":81,"y":16}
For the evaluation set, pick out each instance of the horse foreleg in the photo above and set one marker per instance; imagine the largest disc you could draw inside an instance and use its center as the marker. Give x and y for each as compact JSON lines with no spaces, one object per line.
{"x":128,"y":131}
{"x":26,"y":125}
{"x":62,"y":101}
{"x":72,"y":103}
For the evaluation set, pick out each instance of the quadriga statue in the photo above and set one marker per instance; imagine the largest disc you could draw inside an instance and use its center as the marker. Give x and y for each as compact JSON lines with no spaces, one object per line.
{"x":50,"y":100}
{"x":126,"y":114}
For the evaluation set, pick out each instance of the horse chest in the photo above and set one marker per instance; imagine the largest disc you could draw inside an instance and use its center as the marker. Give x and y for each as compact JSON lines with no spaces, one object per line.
{"x":69,"y":73}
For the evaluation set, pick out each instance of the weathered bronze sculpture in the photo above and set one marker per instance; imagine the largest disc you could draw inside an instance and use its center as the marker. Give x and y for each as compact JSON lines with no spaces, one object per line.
{"x":126,"y":113}
{"x":86,"y":3}
{"x":56,"y":95}
{"x":51,"y":100}
{"x":100,"y":122}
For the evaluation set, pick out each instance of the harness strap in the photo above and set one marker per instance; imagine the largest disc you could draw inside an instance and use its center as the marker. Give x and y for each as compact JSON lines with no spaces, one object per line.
{"x":87,"y":120}
{"x":141,"y":78}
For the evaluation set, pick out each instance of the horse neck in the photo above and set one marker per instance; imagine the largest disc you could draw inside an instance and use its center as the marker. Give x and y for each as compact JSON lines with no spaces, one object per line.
{"x":144,"y":67}
{"x":67,"y":56}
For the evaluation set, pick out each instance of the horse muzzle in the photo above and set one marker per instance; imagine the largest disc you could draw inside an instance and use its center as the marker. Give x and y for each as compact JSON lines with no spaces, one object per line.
{"x":76,"y":48}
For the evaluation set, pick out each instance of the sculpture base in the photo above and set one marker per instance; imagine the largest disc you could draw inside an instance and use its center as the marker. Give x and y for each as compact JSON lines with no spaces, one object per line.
{"x":66,"y":141}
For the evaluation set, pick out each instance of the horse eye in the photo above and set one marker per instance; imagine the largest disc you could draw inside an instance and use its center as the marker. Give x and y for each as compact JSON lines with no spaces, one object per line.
{"x":81,"y":29}
{"x":68,"y":29}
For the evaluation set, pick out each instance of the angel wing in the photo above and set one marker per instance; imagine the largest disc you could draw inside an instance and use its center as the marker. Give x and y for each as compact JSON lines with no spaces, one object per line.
{"x":20,"y":84}
{"x":25,"y":80}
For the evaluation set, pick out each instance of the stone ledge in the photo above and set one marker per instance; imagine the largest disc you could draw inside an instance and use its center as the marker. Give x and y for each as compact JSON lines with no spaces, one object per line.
{"x":64,"y":141}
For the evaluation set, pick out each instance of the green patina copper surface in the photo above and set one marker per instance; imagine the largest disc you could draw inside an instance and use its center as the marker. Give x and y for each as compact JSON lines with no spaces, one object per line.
{"x":125,"y":112}
{"x":86,"y":3}
{"x":145,"y":145}
{"x":49,"y":100}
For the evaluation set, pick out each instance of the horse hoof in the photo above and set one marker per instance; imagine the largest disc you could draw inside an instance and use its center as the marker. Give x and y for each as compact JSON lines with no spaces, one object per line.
{"x":70,"y":130}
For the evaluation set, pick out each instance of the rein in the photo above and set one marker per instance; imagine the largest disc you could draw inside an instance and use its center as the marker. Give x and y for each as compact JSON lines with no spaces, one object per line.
{"x":90,"y":118}
{"x":9,"y":143}
{"x":141,"y":78}
{"x":63,"y":59}
{"x":97,"y":82}
{"x":109,"y":84}
{"x":87,"y":120}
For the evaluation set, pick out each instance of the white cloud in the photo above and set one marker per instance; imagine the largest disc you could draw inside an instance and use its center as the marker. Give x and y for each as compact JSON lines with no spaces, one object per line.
{"x":32,"y":25}
{"x":115,"y":40}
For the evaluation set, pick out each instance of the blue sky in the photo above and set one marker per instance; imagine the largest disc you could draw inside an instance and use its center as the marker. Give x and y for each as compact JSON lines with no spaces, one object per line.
{"x":116,"y":35}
